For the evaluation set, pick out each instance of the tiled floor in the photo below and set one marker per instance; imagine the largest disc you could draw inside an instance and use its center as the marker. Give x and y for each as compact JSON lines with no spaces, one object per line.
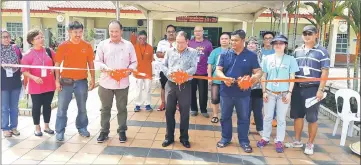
{"x":145,"y":134}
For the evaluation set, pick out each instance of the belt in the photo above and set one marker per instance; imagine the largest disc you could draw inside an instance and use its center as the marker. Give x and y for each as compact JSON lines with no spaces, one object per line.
{"x":303,"y":85}
{"x":277,"y":93}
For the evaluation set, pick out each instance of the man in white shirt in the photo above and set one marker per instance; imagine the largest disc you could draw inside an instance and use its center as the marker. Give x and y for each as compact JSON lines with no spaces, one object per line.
{"x":162,"y":47}
{"x":114,"y":53}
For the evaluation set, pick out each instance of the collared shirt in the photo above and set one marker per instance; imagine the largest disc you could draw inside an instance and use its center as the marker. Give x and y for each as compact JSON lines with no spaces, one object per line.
{"x":174,"y":61}
{"x":213,"y":60}
{"x":164,"y":45}
{"x":204,"y":49}
{"x":115,"y":56}
{"x":314,"y":60}
{"x":236,"y":66}
{"x":259,"y":58}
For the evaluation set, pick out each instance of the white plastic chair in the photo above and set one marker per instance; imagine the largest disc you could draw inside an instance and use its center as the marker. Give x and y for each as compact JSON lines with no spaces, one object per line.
{"x":346,"y":115}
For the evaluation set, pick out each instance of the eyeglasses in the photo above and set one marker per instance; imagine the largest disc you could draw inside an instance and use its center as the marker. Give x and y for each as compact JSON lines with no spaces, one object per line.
{"x":307,"y":33}
{"x":5,"y":37}
{"x":268,"y":39}
{"x":142,"y":38}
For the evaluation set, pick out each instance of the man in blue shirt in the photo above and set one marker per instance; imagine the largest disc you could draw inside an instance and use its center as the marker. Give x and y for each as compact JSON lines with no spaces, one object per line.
{"x":314,"y":62}
{"x":234,"y":64}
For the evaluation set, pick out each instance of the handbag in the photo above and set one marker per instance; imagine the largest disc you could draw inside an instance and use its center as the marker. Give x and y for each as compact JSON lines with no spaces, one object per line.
{"x":66,"y":81}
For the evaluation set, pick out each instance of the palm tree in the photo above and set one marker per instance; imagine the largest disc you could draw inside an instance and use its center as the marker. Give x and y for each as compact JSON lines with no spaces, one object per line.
{"x":290,"y":8}
{"x":318,"y":14}
{"x":333,"y":10}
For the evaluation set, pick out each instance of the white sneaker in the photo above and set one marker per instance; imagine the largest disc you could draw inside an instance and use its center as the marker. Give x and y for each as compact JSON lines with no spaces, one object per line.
{"x":309,"y":149}
{"x":295,"y":144}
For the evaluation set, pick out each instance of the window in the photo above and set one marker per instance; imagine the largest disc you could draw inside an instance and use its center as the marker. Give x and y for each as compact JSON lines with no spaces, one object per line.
{"x":341,"y":44}
{"x":15,"y":29}
{"x":61,"y":33}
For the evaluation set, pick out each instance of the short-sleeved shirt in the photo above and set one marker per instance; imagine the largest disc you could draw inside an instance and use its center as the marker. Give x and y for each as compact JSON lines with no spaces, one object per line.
{"x":266,"y":52}
{"x":236,"y":66}
{"x":39,"y":58}
{"x":279,"y":68}
{"x":185,"y":61}
{"x":144,"y":58}
{"x":314,"y":59}
{"x":204,"y":49}
{"x":213,"y":60}
{"x":14,"y":82}
{"x":163,"y":46}
{"x":75,"y":56}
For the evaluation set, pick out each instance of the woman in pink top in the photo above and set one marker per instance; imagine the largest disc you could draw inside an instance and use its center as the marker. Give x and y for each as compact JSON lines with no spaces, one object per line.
{"x":41,"y":81}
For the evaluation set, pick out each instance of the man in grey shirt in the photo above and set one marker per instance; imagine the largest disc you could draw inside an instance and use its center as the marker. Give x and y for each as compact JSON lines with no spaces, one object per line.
{"x":178,"y":58}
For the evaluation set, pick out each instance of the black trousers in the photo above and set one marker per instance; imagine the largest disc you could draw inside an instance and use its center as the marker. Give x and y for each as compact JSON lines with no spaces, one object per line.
{"x":181,"y":94}
{"x":202,"y":86}
{"x":41,"y":100}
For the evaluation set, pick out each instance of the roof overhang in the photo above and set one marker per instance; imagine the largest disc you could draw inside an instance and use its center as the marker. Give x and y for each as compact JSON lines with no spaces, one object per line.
{"x":239,"y":10}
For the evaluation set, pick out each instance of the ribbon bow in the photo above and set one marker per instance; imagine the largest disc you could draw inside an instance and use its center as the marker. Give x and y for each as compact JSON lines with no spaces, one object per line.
{"x":244,"y":82}
{"x":179,"y":77}
{"x":119,"y":74}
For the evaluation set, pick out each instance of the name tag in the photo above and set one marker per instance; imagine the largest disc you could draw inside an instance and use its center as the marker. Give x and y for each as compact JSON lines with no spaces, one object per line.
{"x":276,"y":84}
{"x":43,"y":72}
{"x":9,"y":72}
{"x":306,"y":70}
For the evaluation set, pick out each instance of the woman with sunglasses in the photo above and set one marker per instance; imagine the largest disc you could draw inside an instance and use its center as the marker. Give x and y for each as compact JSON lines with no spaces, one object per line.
{"x":41,"y":81}
{"x":10,"y":86}
{"x":277,"y":95}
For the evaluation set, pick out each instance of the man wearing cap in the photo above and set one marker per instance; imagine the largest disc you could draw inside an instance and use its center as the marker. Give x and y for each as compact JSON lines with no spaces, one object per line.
{"x":234,"y":64}
{"x":277,"y":95}
{"x":314,"y":62}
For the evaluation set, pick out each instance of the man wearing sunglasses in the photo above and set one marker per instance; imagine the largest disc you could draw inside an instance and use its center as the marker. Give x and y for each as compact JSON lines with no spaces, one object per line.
{"x":314,"y":62}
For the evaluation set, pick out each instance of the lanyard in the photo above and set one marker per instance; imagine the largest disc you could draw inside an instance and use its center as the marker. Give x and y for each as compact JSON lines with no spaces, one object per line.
{"x":140,"y":48}
{"x":37,"y":55}
{"x":279,"y":66}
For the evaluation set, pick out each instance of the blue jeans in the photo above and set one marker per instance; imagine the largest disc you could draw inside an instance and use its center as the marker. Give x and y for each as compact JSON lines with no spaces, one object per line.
{"x":9,"y":109}
{"x":275,"y":103}
{"x":256,"y":106}
{"x":80,"y":90}
{"x":242,"y":109}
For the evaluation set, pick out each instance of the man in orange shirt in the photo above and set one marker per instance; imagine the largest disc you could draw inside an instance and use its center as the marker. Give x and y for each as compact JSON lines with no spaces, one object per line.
{"x":144,"y":57}
{"x":74,"y":53}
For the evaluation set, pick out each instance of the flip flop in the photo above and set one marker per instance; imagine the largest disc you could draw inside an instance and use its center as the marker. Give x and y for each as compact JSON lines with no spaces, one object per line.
{"x":214,"y":120}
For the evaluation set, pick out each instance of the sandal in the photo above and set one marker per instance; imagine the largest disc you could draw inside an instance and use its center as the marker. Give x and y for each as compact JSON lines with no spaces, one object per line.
{"x":221,"y":144}
{"x":214,"y":120}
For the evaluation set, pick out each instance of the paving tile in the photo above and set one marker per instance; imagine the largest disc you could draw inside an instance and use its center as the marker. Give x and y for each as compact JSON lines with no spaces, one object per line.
{"x":51,"y":162}
{"x":27,"y":144}
{"x":131,"y":160}
{"x":253,"y":160}
{"x":158,"y":144}
{"x":60,"y":156}
{"x":228,"y":150}
{"x":276,"y":161}
{"x":145,"y":136}
{"x":152,"y":130}
{"x":295,"y":154}
{"x":156,"y":161}
{"x":10,"y":142}
{"x":175,"y":161}
{"x":292,"y":134}
{"x":301,"y":161}
{"x":320,"y":156}
{"x":159,"y":153}
{"x":22,"y":161}
{"x":49,"y":146}
{"x":136,"y":151}
{"x":141,"y":143}
{"x":329,"y":135}
{"x":230,"y":158}
{"x":92,"y":149}
{"x":326,"y":162}
{"x":271,"y":152}
{"x":107,"y":159}
{"x":183,"y":155}
{"x":332,"y":149}
{"x":37,"y":155}
{"x":343,"y":158}
{"x":114,"y":150}
{"x":206,"y":156}
{"x":134,"y":123}
{"x":83,"y":158}
{"x":204,"y":127}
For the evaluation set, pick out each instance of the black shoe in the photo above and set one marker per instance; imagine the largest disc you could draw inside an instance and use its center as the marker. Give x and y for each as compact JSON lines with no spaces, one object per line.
{"x":186,"y":144}
{"x":102,"y":137}
{"x":122,"y":137}
{"x":246,"y":148}
{"x":49,"y":131}
{"x":38,"y":133}
{"x":167,"y":142}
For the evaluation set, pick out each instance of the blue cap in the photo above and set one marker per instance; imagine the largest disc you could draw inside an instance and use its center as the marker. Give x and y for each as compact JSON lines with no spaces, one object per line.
{"x":281,"y":38}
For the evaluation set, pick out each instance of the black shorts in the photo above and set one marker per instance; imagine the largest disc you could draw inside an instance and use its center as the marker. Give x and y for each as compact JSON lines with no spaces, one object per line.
{"x":256,"y":93}
{"x":298,"y":99}
{"x":163,"y":79}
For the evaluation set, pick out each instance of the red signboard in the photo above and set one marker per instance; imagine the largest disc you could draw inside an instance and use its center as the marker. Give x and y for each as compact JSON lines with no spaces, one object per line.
{"x":199,"y":19}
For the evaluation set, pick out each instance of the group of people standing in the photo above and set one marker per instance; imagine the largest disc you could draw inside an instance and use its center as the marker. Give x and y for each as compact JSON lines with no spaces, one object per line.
{"x":234,"y":59}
